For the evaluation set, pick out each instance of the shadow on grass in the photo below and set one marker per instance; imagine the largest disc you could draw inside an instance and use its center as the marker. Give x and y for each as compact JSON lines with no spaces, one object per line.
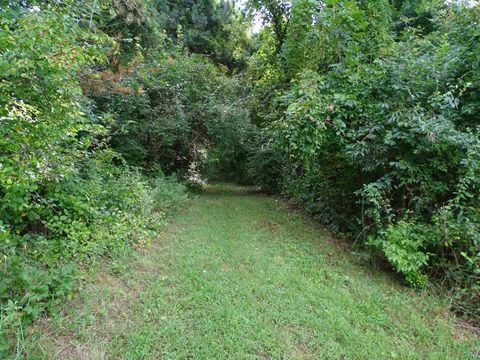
{"x":228,"y":190}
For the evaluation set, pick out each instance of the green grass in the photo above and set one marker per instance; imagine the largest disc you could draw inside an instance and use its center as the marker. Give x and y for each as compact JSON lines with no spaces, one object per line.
{"x":240,"y":276}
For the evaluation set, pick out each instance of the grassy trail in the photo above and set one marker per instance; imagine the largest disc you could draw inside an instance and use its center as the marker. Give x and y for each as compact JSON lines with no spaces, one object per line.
{"x":239,"y":276}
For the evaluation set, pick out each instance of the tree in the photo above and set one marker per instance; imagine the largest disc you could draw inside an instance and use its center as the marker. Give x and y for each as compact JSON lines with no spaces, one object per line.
{"x":277,"y":14}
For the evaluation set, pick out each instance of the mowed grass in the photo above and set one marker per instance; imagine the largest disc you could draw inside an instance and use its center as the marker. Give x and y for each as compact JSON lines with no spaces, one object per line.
{"x":240,"y":276}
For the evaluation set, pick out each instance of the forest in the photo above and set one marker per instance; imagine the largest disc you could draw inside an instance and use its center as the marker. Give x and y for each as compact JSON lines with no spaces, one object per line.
{"x":116,"y":115}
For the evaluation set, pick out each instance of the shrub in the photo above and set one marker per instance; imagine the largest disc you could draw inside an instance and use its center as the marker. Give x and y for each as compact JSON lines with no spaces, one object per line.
{"x":266,"y":169}
{"x":379,"y":131}
{"x":405,"y":246}
{"x":65,"y":199}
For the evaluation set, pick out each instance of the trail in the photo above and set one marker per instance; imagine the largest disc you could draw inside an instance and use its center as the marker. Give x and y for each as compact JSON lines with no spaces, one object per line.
{"x":238,"y":275}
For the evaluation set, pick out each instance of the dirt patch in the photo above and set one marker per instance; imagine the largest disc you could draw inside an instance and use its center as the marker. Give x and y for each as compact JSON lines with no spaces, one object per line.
{"x":70,"y":351}
{"x":266,"y":225}
{"x":302,"y":351}
{"x":462,"y":327}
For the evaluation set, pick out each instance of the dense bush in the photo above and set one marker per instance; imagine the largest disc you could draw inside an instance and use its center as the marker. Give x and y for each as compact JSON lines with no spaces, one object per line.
{"x":378,"y":127}
{"x":83,"y":217}
{"x":177,"y":109}
{"x":98,"y":100}
{"x":266,"y":169}
{"x":65,"y":198}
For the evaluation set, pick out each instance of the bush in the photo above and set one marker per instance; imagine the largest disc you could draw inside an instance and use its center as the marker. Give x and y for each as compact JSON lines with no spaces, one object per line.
{"x":266,"y":169}
{"x":405,"y":246}
{"x":379,"y":131}
{"x":84,"y":217}
{"x":65,"y":199}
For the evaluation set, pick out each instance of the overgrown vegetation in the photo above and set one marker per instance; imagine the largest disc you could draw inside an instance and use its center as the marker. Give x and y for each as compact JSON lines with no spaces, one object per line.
{"x":373,"y":106}
{"x":363,"y":112}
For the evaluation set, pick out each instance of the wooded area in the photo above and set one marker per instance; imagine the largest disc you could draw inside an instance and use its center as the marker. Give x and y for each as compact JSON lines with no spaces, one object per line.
{"x":364,"y":113}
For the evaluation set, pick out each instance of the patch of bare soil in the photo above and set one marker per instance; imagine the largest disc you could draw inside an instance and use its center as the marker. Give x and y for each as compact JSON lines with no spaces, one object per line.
{"x":266,"y":225}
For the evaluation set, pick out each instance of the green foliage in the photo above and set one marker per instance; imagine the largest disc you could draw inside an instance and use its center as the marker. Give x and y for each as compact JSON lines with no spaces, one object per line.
{"x":405,"y":246}
{"x":86,"y":216}
{"x":276,"y":14}
{"x":163,"y":123}
{"x":231,"y":136}
{"x":66,"y":199}
{"x":213,"y":28}
{"x":377,"y":124}
{"x":184,"y":110}
{"x":44,"y":128}
{"x":266,"y":169}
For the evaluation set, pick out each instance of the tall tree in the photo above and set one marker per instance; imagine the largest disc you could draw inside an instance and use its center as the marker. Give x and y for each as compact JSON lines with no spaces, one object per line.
{"x":276,"y":13}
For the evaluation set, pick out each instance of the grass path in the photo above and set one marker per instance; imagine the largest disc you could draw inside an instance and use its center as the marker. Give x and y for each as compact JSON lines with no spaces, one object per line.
{"x":239,"y":276}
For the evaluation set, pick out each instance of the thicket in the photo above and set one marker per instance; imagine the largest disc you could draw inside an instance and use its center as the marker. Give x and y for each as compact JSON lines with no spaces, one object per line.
{"x":179,"y":99}
{"x":374,"y":106}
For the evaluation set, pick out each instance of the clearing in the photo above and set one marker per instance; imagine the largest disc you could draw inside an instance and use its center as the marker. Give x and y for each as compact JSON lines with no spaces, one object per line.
{"x":240,"y":276}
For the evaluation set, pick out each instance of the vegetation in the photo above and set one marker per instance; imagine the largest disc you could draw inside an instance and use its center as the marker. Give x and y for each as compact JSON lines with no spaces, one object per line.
{"x":363,"y":113}
{"x":372,"y":106}
{"x":66,"y":197}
